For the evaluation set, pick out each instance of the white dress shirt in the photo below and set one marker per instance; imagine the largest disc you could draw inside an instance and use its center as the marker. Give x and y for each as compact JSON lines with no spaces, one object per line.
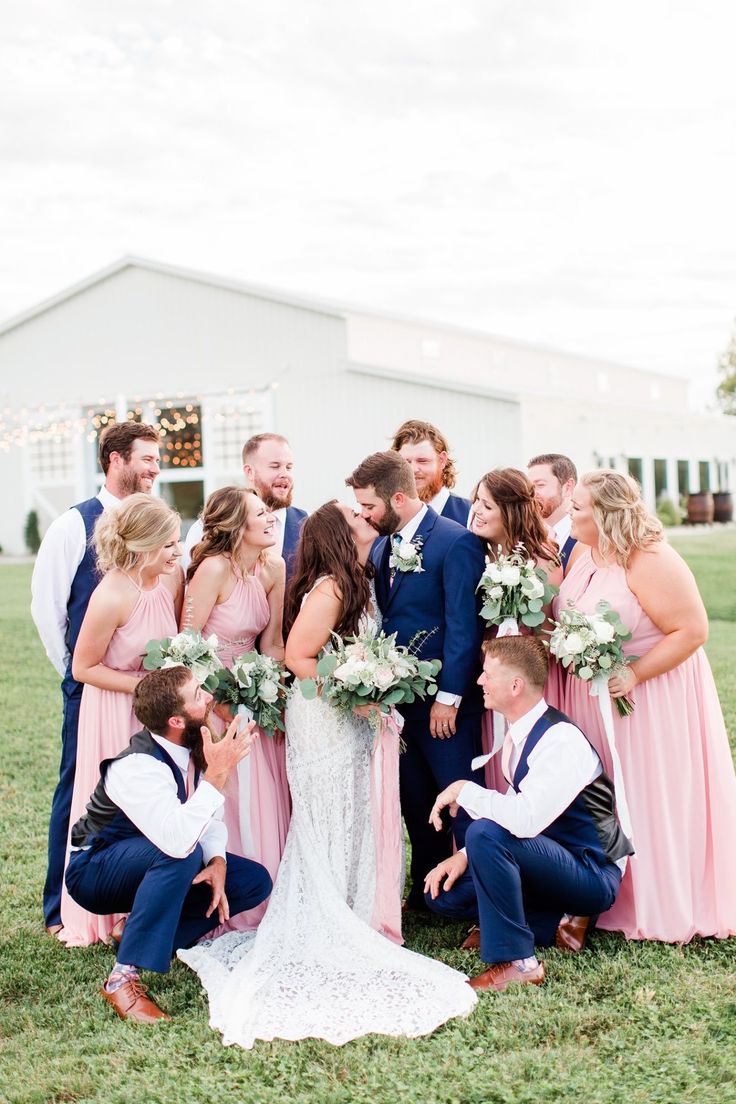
{"x":196,"y":530}
{"x":561,"y":531}
{"x":560,"y":766}
{"x":145,"y":790}
{"x":61,"y":552}
{"x":407,"y":534}
{"x":439,"y":501}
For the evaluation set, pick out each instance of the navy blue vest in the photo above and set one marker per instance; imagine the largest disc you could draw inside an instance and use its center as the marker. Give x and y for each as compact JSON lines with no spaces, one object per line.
{"x":566,"y":550}
{"x":588,"y":827}
{"x":83,"y":583}
{"x":103,"y":822}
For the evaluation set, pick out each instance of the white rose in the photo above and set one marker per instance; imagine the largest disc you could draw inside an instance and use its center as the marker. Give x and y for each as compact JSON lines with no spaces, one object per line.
{"x":268,"y":691}
{"x":495,"y":593}
{"x":574,"y":644}
{"x":510,"y":575}
{"x":180,"y":641}
{"x":383,"y":677}
{"x":603,"y":631}
{"x":212,"y":642}
{"x":493,"y":572}
{"x":406,"y":551}
{"x":534,"y":587}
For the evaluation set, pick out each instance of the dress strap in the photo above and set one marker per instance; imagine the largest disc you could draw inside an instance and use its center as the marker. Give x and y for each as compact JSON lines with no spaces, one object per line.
{"x":314,"y":586}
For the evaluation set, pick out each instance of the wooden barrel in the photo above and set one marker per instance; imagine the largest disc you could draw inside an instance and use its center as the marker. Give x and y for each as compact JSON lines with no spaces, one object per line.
{"x":700,"y":508}
{"x":723,"y":506}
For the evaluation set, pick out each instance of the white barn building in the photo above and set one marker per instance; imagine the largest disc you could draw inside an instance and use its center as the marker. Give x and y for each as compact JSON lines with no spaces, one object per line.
{"x":214,"y":361}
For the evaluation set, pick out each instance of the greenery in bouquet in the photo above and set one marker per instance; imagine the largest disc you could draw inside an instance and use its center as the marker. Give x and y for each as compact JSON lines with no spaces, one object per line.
{"x":256,"y":685}
{"x":514,"y":588}
{"x":187,"y":649}
{"x":591,"y":646}
{"x":372,"y":670}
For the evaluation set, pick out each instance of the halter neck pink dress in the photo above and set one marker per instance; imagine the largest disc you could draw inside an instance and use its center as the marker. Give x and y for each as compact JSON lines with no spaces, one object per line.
{"x":106,"y":723}
{"x":257,"y":803}
{"x":678,"y":774}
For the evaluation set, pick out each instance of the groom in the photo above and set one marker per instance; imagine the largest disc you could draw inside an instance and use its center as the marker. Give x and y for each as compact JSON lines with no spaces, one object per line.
{"x":427,"y":569}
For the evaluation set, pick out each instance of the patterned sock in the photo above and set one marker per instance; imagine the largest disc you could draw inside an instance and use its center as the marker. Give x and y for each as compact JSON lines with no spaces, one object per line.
{"x":526,"y":964}
{"x":120,"y":975}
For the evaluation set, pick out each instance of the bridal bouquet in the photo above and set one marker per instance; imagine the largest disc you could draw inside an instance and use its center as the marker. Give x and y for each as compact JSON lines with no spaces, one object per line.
{"x":591,"y":646}
{"x":187,"y":649}
{"x":372,"y":670}
{"x":514,"y":590}
{"x":255,"y":688}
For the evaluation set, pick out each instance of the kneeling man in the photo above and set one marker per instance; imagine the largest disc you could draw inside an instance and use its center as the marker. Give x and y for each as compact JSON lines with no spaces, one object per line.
{"x":552,"y":845}
{"x":152,"y":842}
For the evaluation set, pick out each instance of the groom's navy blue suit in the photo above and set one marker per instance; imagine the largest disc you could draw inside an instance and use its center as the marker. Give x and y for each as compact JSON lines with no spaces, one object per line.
{"x":441,"y":600}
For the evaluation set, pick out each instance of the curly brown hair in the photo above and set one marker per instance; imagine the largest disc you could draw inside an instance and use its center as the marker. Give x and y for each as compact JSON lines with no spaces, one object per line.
{"x":514,"y":495}
{"x":326,"y":548}
{"x":414,"y":432}
{"x":224,"y":519}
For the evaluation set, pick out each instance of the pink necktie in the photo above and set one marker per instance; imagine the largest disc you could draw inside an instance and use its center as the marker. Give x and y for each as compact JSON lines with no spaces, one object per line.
{"x":506,"y":750}
{"x":190,"y":778}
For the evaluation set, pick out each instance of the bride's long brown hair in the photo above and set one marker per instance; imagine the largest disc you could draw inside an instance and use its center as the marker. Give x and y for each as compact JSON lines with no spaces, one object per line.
{"x":326,"y":547}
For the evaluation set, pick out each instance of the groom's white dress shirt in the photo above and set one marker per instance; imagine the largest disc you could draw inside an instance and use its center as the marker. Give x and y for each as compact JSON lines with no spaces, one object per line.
{"x":145,"y":790}
{"x":561,"y":531}
{"x":194,"y":536}
{"x":407,"y":534}
{"x":61,"y":552}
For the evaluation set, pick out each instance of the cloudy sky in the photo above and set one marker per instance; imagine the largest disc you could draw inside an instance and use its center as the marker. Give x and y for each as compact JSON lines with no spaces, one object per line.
{"x":559,"y":171}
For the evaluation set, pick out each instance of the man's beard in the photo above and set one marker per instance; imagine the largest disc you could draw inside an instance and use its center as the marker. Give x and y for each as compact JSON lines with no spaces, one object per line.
{"x":428,"y":490}
{"x":548,"y":507}
{"x":389,"y":523}
{"x":192,"y":738}
{"x":131,"y":482}
{"x":272,"y":501}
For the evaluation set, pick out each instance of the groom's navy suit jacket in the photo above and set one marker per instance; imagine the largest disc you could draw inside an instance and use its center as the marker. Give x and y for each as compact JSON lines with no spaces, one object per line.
{"x":441,"y":600}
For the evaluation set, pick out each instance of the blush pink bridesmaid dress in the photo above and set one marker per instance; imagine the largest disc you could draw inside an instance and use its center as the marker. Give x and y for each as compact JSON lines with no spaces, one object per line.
{"x":106,"y":723}
{"x":678,"y":774}
{"x":257,"y":802}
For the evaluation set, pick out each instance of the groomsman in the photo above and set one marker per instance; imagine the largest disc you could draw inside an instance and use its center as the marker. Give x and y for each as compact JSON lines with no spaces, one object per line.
{"x":152,"y":842}
{"x":64,"y":577}
{"x":427,"y":451}
{"x":435,"y":596}
{"x":553,"y":477}
{"x":268,"y":466}
{"x":550,"y":847}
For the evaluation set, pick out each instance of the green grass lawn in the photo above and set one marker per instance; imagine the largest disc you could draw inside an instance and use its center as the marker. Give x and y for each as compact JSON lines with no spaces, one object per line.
{"x":621,"y":1023}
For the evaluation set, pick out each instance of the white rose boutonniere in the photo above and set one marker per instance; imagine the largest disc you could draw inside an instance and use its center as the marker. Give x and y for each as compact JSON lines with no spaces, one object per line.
{"x":406,"y":556}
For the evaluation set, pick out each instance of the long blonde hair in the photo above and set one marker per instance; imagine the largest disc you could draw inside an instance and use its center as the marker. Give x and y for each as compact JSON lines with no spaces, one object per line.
{"x":140,"y":525}
{"x":224,"y":520}
{"x":624,"y":523}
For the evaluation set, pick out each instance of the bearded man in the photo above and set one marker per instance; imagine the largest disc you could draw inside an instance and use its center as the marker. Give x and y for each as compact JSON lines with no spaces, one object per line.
{"x":553,"y":477}
{"x":427,"y":452}
{"x":268,"y":466}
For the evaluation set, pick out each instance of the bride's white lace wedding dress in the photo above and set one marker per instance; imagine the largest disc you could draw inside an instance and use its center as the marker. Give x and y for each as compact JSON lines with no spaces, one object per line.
{"x":315,"y":968}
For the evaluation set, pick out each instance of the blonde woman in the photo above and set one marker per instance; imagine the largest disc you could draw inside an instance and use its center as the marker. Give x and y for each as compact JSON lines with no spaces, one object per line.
{"x":677,"y":769}
{"x":235,"y":589}
{"x":138,"y":599}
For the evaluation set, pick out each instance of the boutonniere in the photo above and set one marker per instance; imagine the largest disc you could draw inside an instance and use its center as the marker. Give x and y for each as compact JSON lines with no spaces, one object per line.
{"x":406,"y":555}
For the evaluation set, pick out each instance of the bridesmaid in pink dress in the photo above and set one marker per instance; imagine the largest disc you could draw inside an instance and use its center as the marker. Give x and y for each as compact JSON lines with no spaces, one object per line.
{"x":506,"y":512}
{"x":676,"y":764}
{"x":138,"y":599}
{"x":235,"y":589}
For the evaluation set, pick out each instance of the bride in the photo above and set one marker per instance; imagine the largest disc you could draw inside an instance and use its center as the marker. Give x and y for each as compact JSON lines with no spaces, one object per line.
{"x":315,"y":967}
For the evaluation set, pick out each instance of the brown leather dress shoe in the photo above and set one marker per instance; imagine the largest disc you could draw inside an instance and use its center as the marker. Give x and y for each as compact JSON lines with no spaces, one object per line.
{"x":503,"y":974}
{"x":54,"y":929}
{"x":116,"y":932}
{"x":572,"y":932}
{"x":131,"y":1003}
{"x":472,"y":940}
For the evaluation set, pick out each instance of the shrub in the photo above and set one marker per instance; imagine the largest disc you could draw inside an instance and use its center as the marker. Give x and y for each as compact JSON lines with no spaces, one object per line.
{"x":31,"y":533}
{"x":668,"y":513}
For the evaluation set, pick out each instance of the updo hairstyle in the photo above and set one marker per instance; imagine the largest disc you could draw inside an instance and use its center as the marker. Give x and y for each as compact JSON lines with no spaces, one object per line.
{"x":140,"y":525}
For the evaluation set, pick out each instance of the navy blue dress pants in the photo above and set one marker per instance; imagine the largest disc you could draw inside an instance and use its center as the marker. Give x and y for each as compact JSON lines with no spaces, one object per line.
{"x":166,"y":911}
{"x":61,"y":803}
{"x":519,"y":889}
{"x":426,"y":767}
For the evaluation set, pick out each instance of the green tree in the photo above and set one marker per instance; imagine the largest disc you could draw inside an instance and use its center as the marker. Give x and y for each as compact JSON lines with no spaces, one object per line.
{"x":31,"y":533}
{"x":727,"y":369}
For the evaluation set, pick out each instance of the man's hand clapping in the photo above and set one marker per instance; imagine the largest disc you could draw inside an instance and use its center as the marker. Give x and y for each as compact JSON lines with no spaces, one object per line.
{"x":222,"y":756}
